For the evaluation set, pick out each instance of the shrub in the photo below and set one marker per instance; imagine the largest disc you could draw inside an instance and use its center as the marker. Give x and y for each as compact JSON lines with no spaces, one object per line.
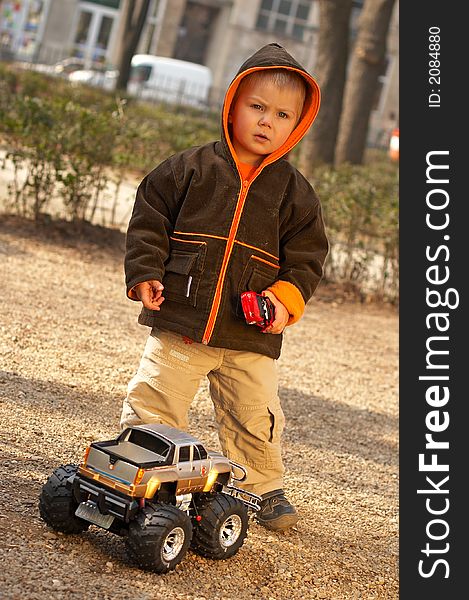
{"x":360,"y":204}
{"x":28,"y":126}
{"x":74,"y":143}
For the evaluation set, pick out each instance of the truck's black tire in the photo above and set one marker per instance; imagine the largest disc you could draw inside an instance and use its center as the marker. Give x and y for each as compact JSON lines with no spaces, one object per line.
{"x":159,"y":537}
{"x":222,"y":529}
{"x":57,"y":505}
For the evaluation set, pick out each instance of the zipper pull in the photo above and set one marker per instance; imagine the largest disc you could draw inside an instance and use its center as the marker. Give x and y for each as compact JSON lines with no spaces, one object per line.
{"x":245,"y":183}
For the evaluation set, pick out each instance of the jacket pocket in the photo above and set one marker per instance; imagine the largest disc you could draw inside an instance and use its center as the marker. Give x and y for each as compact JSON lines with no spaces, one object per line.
{"x":183,"y":273}
{"x":257,"y":276}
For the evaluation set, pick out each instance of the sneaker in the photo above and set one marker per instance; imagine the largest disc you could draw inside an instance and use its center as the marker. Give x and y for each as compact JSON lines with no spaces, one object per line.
{"x":276,"y":512}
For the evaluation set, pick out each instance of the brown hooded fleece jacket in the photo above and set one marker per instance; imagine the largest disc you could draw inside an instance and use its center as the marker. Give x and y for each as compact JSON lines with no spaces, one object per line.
{"x":209,"y":235}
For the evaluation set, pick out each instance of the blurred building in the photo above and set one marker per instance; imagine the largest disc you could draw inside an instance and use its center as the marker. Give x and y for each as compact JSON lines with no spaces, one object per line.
{"x":47,"y":31}
{"x":220,"y":34}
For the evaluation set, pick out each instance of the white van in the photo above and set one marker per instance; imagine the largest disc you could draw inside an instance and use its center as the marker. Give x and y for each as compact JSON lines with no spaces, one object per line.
{"x":169,"y":80}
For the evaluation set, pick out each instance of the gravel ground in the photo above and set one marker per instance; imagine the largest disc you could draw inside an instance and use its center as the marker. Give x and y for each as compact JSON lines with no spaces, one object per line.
{"x":69,"y":343}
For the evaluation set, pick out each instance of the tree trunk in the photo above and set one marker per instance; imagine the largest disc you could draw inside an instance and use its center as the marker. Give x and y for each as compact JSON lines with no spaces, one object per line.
{"x":134,"y":14}
{"x":366,"y":66}
{"x":330,"y":69}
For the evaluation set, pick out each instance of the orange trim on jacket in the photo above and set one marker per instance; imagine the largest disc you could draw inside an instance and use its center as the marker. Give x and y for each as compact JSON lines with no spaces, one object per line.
{"x":209,"y":235}
{"x":267,"y":262}
{"x":219,"y":237}
{"x":212,"y":317}
{"x":187,"y":241}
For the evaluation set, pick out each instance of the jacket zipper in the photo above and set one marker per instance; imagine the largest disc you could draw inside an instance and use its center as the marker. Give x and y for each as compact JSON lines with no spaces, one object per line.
{"x":221,"y":278}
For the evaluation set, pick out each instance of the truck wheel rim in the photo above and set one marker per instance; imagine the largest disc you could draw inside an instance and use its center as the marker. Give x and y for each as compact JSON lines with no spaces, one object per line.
{"x":230,"y":530}
{"x":173,"y":544}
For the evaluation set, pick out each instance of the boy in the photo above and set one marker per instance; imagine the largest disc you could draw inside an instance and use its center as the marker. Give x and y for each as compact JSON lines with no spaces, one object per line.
{"x":208,"y":224}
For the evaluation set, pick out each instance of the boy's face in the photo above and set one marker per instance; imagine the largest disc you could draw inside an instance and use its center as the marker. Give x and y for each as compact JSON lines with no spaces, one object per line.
{"x":263,"y":118}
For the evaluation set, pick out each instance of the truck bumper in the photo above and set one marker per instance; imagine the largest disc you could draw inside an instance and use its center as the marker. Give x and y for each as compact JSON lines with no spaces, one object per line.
{"x":108,"y":502}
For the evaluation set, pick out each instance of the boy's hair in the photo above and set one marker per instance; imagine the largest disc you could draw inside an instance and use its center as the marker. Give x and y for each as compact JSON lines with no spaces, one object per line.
{"x":279,"y":77}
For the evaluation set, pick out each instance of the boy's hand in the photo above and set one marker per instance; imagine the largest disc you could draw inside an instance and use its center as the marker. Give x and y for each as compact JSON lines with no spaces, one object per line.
{"x":149,"y":293}
{"x":281,"y":314}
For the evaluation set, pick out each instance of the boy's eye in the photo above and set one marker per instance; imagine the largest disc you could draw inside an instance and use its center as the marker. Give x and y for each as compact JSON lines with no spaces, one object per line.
{"x":283,"y":115}
{"x":256,"y":106}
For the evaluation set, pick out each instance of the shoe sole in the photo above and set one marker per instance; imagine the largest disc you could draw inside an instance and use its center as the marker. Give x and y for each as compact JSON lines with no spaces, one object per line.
{"x":281,"y":523}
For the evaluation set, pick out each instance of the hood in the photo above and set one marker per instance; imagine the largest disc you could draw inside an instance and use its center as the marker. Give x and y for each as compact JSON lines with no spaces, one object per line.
{"x":273,"y":56}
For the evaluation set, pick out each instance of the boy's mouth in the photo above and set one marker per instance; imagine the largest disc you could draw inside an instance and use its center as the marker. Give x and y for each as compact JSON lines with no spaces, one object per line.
{"x":261,"y":137}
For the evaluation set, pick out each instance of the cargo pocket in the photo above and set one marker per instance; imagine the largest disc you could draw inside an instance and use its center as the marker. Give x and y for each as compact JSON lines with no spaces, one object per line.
{"x":273,"y":453}
{"x":277,"y":422}
{"x":251,"y":434}
{"x":183,"y":274}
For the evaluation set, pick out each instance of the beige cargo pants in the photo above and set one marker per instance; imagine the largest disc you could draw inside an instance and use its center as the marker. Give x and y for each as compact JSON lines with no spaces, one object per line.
{"x":244,"y":391}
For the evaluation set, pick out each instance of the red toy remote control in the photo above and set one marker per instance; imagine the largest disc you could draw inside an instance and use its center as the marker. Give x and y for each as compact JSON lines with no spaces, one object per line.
{"x":258,"y":310}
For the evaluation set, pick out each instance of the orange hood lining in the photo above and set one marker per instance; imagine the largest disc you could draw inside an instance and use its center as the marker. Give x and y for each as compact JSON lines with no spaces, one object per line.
{"x":310,"y":110}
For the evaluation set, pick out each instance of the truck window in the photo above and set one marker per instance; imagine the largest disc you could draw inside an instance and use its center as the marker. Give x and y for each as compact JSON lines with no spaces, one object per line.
{"x":184,"y":453}
{"x":202,"y":451}
{"x":150,"y":442}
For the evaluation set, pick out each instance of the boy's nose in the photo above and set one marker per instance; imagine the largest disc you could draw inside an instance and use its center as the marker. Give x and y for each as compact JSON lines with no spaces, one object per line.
{"x":265,"y":120}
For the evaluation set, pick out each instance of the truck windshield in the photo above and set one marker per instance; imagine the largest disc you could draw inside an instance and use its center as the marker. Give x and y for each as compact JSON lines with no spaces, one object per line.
{"x":149,"y":442}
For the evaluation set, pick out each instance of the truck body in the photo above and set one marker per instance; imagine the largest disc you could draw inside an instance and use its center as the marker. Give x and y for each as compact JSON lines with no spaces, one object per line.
{"x":159,"y":488}
{"x":147,"y":463}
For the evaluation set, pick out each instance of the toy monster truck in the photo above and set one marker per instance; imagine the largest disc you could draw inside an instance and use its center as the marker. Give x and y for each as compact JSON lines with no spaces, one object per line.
{"x":158,"y":487}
